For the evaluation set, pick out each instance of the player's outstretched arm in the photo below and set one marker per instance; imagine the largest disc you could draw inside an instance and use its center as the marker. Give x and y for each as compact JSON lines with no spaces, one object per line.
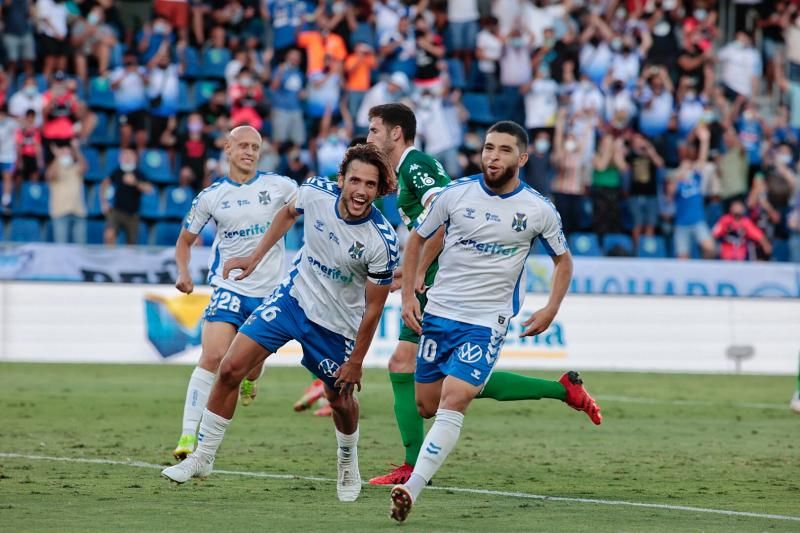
{"x":541,"y":319}
{"x":411,"y":313}
{"x":348,"y":377}
{"x":281,"y":224}
{"x":183,"y":252}
{"x":430,"y":251}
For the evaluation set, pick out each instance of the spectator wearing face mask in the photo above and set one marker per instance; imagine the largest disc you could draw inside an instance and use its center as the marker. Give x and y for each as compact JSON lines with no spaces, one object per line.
{"x":751,"y":129}
{"x":152,"y":36}
{"x":129,"y":184}
{"x":515,"y":72}
{"x":129,"y":83}
{"x":540,"y":170}
{"x":489,"y":50}
{"x":247,"y":100}
{"x":541,"y":101}
{"x":741,"y":67}
{"x":295,"y":167}
{"x":609,"y":166}
{"x":430,"y":50}
{"x":656,"y":102}
{"x":30,"y":156}
{"x":287,"y":93}
{"x":195,"y":145}
{"x":27,"y":98}
{"x":8,"y":153}
{"x":398,"y":49}
{"x":646,"y":166}
{"x":569,"y":185}
{"x":163,"y":93}
{"x":596,"y":54}
{"x":735,"y":232}
{"x":67,"y":206}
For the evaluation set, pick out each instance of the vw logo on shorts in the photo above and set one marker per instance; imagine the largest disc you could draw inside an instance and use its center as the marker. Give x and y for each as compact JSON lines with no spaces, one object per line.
{"x":470,"y":353}
{"x":328,"y":367}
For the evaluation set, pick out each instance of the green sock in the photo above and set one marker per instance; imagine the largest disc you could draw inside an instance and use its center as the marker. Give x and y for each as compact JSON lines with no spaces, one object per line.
{"x":409,"y":422}
{"x":507,"y":387}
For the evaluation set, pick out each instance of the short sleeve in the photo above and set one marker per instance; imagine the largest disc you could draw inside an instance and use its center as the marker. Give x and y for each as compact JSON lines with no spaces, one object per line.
{"x":550,"y":232}
{"x":199,"y":214}
{"x":308,"y":187}
{"x":436,"y":214}
{"x":383,"y":261}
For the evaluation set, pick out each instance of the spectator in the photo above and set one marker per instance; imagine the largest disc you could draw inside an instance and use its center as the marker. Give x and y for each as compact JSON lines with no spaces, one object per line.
{"x":751,"y":129}
{"x":64,"y":114}
{"x":247,"y":100}
{"x":358,"y":70}
{"x":541,"y":101}
{"x":331,"y":145}
{"x":656,"y":102}
{"x":92,"y":37}
{"x":287,"y":93}
{"x":462,"y":17}
{"x":189,"y":180}
{"x":282,"y":19}
{"x":596,"y":54}
{"x":176,"y":12}
{"x":295,"y":167}
{"x":691,"y":105}
{"x":645,"y":165}
{"x":195,"y":146}
{"x":489,"y":50}
{"x":540,"y":170}
{"x":761,"y":211}
{"x":163,"y":93}
{"x":384,"y":92}
{"x":52,"y":23}
{"x":155,"y":34}
{"x":215,"y":114}
{"x":8,"y":153}
{"x":129,"y":184}
{"x":388,"y":14}
{"x":515,"y":72}
{"x":320,"y":44}
{"x":793,"y":223}
{"x":741,"y":68}
{"x":735,"y":232}
{"x":686,"y":190}
{"x":323,"y":95}
{"x":398,"y":49}
{"x":67,"y":206}
{"x":733,"y":170}
{"x":430,"y":50}
{"x":18,"y":36}
{"x":438,"y":128}
{"x":269,"y":159}
{"x":27,"y":98}
{"x":569,"y":185}
{"x":29,"y":145}
{"x":694,"y":63}
{"x":134,"y":14}
{"x":609,"y":166}
{"x":129,"y":83}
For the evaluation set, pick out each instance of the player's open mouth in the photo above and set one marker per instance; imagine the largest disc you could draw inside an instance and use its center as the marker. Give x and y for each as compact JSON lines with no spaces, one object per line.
{"x":359,"y":203}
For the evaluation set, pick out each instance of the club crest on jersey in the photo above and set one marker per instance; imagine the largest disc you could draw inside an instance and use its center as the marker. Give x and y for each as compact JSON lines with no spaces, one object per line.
{"x":470,"y":353}
{"x":264,"y":198}
{"x":469,"y":212}
{"x":357,"y":250}
{"x":520,"y":222}
{"x":328,"y":367}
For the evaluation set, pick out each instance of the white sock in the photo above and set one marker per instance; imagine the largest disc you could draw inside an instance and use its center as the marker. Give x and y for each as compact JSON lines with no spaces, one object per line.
{"x":348,"y":444}
{"x":439,"y":442}
{"x":210,"y":434}
{"x":196,"y":398}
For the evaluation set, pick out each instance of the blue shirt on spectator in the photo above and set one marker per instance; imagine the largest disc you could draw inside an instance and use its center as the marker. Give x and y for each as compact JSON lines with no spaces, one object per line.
{"x":751,"y":134}
{"x":689,"y":208}
{"x":16,"y":19}
{"x":287,"y":15}
{"x":287,"y":96}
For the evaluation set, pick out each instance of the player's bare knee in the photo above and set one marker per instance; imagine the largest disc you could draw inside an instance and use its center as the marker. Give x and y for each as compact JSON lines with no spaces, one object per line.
{"x":426,"y":409}
{"x":403,"y":359}
{"x":231,"y":374}
{"x":210,"y":360}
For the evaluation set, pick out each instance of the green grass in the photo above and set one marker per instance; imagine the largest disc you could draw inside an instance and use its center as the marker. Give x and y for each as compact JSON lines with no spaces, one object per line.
{"x":715,"y":450}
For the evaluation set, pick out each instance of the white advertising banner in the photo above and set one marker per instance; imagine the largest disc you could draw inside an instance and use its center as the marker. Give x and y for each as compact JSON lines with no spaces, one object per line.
{"x":127,"y":323}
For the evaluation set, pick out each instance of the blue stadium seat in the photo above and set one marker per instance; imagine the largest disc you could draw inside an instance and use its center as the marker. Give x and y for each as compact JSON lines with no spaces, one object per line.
{"x":185,"y":100}
{"x":214,"y":62}
{"x":390,"y":210}
{"x":619,"y":241}
{"x":178,"y":201}
{"x":101,"y":134}
{"x":166,"y":233}
{"x":94,"y":231}
{"x":110,"y":161}
{"x":203,"y":90}
{"x":93,"y":200}
{"x":33,"y":199}
{"x":780,"y":250}
{"x":653,"y":247}
{"x":585,"y":244}
{"x":458,"y":77}
{"x":117,"y":52}
{"x":155,"y":165}
{"x":477,"y":104}
{"x":714,"y":212}
{"x":191,"y":63}
{"x":2,"y":231}
{"x":100,"y":94}
{"x":94,"y":167}
{"x":25,"y":230}
{"x":150,"y":207}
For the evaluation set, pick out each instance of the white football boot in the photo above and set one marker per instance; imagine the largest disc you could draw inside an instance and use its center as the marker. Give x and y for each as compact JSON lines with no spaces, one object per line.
{"x":348,"y":482}
{"x":193,"y":466}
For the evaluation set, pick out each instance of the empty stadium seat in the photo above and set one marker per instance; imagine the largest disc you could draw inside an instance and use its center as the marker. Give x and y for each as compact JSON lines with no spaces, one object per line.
{"x":203,"y":90}
{"x":100,"y":94}
{"x":150,"y":206}
{"x":110,"y":161}
{"x":653,"y":247}
{"x":714,"y":212}
{"x":178,"y":201}
{"x":191,"y":62}
{"x":155,"y":165}
{"x":33,"y":199}
{"x":780,"y":250}
{"x":25,"y":230}
{"x":93,"y":206}
{"x":477,"y":104}
{"x":2,"y":230}
{"x":617,"y":244}
{"x":94,"y":166}
{"x":101,"y":134}
{"x":94,"y":231}
{"x":584,"y":244}
{"x":185,"y":100}
{"x":214,"y":62}
{"x":166,"y":233}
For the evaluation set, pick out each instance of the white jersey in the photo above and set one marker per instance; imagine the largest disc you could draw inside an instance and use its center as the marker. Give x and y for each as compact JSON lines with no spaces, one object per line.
{"x":242,"y":213}
{"x":338,"y":257}
{"x":481,"y":277}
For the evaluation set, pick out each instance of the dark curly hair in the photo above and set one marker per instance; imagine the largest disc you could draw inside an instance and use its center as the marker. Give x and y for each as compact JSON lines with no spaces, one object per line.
{"x":371,"y":155}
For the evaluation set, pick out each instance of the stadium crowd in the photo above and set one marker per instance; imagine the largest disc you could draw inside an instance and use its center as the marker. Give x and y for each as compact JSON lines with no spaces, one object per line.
{"x":655,"y":132}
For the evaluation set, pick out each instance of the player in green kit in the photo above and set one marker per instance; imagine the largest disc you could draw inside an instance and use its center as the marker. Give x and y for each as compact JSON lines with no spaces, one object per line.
{"x":420,"y":177}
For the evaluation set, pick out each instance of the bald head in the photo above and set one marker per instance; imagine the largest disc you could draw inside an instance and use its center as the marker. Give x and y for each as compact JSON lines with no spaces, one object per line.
{"x":240,"y":132}
{"x":243,"y":147}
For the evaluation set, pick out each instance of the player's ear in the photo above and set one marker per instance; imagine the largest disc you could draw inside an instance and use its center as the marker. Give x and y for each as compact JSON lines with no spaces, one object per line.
{"x":523,"y":158}
{"x":340,"y":180}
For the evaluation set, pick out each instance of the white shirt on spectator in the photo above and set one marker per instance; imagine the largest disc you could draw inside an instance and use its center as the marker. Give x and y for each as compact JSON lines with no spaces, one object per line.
{"x":541,"y":104}
{"x":620,"y":102}
{"x":462,"y":10}
{"x":625,"y":67}
{"x":166,"y":88}
{"x":515,"y":64}
{"x":739,"y":66}
{"x":492,"y":48}
{"x":52,"y":18}
{"x":586,"y":96}
{"x":507,"y":13}
{"x":377,"y":95}
{"x":387,"y":15}
{"x":537,"y":19}
{"x":131,"y":93}
{"x":19,"y":104}
{"x":436,"y":128}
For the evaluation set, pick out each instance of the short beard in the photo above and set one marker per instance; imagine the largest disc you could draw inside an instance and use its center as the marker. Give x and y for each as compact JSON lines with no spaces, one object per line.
{"x":500,"y":182}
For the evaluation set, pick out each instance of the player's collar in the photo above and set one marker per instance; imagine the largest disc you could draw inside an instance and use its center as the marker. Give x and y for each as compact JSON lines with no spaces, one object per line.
{"x":237,"y":184}
{"x":352,"y":222}
{"x":403,"y":157}
{"x":488,"y":191}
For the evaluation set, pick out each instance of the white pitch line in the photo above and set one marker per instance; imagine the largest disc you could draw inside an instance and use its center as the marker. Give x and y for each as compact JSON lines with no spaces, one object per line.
{"x":485,"y":492}
{"x":692,"y":403}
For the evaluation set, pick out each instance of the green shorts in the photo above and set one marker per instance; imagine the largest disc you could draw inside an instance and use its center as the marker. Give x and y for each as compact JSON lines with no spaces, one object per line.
{"x":408,"y":334}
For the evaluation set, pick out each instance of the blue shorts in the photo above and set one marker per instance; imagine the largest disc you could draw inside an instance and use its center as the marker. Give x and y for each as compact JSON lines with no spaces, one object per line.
{"x":8,"y":167}
{"x":463,"y":35}
{"x":281,"y":319}
{"x":451,"y":348}
{"x":644,"y":210}
{"x":228,"y":306}
{"x":687,"y":236}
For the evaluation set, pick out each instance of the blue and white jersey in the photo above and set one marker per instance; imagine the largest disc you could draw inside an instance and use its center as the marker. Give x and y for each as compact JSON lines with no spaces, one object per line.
{"x":242,"y":213}
{"x":487,"y":239}
{"x":338,"y":257}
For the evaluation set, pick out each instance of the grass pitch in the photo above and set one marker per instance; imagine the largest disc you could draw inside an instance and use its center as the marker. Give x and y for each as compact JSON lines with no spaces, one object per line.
{"x":705,"y":442}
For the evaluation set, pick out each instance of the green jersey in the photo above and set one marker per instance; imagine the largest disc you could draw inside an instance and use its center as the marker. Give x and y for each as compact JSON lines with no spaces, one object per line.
{"x":419,"y":178}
